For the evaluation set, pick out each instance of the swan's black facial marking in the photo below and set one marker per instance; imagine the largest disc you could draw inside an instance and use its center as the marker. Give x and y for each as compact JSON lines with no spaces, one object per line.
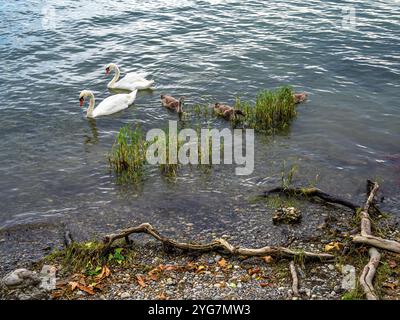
{"x":81,"y":99}
{"x":107,"y":70}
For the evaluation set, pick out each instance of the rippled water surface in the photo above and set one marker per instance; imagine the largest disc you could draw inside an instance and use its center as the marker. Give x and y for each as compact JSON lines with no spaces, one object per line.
{"x":53,"y":160}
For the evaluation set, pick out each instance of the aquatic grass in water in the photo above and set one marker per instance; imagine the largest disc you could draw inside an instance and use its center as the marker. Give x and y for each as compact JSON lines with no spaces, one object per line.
{"x":272,"y":111}
{"x":202,"y":110}
{"x":128,"y":155}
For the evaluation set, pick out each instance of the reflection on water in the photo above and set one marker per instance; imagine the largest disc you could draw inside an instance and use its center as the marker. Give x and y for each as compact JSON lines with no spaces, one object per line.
{"x":53,"y":160}
{"x":94,"y":137}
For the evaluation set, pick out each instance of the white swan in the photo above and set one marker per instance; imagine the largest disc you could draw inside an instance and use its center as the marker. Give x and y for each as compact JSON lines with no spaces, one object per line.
{"x":109,"y":105}
{"x":131,"y":81}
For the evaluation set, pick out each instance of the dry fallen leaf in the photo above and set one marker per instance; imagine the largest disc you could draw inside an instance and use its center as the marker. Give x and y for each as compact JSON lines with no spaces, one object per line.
{"x":391,"y":285}
{"x":86,"y":289}
{"x":105,"y":272}
{"x":140,"y":281}
{"x":268,"y":259}
{"x":200,"y":269}
{"x":337,"y":246}
{"x":162,"y":296}
{"x":265,"y":284}
{"x":170,"y":268}
{"x":222,"y":263}
{"x":392,"y":264}
{"x":153,"y":276}
{"x":252,"y":271}
{"x":73,"y":285}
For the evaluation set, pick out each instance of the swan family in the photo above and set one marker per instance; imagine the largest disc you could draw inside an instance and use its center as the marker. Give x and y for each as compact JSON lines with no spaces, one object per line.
{"x":132,"y":82}
{"x":135,"y":81}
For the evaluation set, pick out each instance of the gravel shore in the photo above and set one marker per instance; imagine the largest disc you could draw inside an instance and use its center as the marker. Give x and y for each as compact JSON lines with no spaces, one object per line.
{"x":154,"y":273}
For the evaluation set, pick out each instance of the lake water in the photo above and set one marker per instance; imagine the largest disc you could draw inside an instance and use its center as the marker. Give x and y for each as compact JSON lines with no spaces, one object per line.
{"x":53,"y":164}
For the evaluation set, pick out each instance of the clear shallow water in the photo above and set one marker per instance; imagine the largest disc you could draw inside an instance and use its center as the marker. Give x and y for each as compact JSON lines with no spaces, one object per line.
{"x":53,"y":160}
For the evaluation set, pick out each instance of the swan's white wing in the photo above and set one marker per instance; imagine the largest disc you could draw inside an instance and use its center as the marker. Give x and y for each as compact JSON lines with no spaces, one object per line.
{"x":131,"y":84}
{"x":137,"y":75}
{"x":142,"y":84}
{"x":112,"y":105}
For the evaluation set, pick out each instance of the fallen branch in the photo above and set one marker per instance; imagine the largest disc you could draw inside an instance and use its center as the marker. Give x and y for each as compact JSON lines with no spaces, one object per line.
{"x":311,"y":192}
{"x":378,"y":242}
{"x":295,"y":283}
{"x":368,"y":274}
{"x":366,"y":236}
{"x":365,"y":220}
{"x":216,"y":245}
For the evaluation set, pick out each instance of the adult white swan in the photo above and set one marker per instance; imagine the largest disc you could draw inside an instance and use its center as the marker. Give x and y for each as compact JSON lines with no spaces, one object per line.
{"x":109,"y":105}
{"x":131,"y":81}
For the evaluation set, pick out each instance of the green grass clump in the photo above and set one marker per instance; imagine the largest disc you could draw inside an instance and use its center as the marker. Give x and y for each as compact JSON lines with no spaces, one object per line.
{"x":287,"y":177}
{"x":79,"y":257}
{"x":89,"y":257}
{"x":272,"y":111}
{"x":128,"y":156}
{"x":355,"y":294}
{"x":202,"y":110}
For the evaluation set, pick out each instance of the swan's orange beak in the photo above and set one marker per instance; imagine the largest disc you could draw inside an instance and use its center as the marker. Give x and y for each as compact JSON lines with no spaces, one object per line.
{"x":81,"y":102}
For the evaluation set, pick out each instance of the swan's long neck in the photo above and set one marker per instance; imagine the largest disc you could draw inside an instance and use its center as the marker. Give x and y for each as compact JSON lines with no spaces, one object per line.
{"x":89,"y":112}
{"x":116,"y":77}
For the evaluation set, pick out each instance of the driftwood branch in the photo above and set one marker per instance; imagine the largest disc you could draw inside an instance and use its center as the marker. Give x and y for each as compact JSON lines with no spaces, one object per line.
{"x":366,"y":236}
{"x":295,"y":279}
{"x":368,"y":274}
{"x":310,"y":193}
{"x":216,"y":245}
{"x":365,"y":220}
{"x":378,"y":242}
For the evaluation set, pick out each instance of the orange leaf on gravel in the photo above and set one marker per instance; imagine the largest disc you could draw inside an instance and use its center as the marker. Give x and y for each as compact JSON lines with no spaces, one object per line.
{"x":265,"y":284}
{"x":162,"y":296}
{"x":268,"y":259}
{"x":337,"y":246}
{"x":222,"y":263}
{"x":153,"y":276}
{"x":140,"y":281}
{"x":105,"y":272}
{"x":73,"y":285}
{"x":252,"y":271}
{"x":170,"y":268}
{"x":86,"y":289}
